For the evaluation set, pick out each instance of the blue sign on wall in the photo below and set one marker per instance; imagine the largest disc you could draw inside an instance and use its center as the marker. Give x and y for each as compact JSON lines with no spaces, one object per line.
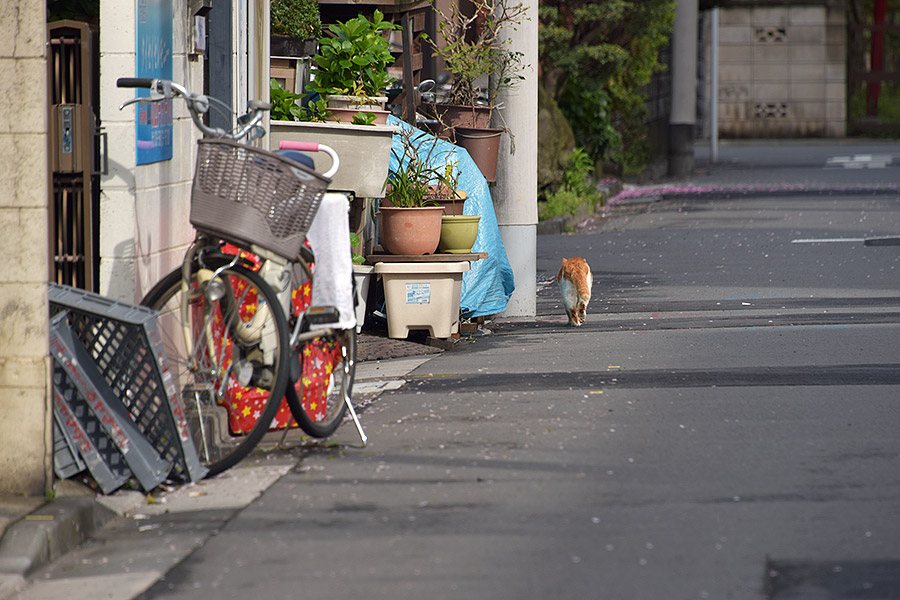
{"x":154,"y":60}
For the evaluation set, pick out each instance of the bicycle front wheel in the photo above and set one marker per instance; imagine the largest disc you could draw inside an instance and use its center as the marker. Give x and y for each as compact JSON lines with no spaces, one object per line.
{"x":228,"y":345}
{"x":328,"y":369}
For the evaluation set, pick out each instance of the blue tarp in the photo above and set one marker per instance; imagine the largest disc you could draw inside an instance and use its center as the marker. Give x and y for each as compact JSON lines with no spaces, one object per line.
{"x":486,"y":288}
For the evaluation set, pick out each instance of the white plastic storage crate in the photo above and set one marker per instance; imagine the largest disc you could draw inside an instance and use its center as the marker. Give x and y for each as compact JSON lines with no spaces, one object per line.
{"x":422,"y":295}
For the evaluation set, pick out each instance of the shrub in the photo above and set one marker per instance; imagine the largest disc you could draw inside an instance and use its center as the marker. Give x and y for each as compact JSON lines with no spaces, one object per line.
{"x":597,"y":58}
{"x":296,"y":18}
{"x":578,"y":188}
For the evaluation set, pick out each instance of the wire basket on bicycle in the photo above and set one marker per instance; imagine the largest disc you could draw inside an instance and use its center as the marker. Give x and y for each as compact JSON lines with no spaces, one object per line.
{"x":246,"y":195}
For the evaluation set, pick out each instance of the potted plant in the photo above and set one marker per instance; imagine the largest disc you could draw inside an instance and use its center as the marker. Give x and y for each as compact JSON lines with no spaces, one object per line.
{"x":363,"y":147}
{"x":295,"y":27}
{"x":409,"y":221}
{"x":482,"y":65}
{"x":445,"y":192}
{"x":458,"y":231}
{"x":288,"y":106}
{"x":351,"y":66}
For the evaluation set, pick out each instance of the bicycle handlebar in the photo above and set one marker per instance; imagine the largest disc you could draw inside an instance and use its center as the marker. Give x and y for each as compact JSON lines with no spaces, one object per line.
{"x":314,"y":147}
{"x":134,"y":82}
{"x":198,"y":105}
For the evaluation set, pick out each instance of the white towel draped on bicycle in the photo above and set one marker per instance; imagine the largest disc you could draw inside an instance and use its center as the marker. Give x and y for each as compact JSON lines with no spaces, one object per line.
{"x":329,"y":236}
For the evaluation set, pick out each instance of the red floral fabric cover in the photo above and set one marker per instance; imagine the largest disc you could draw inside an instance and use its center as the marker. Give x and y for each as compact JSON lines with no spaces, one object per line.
{"x":245,"y":404}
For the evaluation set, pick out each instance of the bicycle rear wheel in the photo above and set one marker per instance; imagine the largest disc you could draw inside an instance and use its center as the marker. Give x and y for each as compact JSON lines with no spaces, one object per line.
{"x":233,"y":380}
{"x":328,"y":370}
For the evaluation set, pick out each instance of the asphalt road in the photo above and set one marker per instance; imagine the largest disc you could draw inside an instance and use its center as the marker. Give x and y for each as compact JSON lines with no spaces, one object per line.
{"x":724,"y":426}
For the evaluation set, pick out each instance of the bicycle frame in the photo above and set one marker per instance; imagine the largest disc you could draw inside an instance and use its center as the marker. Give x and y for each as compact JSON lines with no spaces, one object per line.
{"x":273,"y":268}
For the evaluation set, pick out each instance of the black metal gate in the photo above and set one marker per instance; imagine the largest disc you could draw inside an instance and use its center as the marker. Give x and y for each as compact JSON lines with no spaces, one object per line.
{"x":73,"y":124}
{"x":873,"y":69}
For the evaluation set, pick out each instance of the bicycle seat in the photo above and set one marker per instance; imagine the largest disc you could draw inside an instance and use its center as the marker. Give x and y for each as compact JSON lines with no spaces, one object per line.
{"x":297,"y":156}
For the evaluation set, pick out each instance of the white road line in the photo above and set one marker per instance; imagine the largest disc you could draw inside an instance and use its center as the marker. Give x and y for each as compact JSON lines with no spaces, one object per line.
{"x":830,"y":240}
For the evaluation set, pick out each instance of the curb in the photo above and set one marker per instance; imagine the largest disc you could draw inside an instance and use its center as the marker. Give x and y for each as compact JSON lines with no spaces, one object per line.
{"x":46,"y":534}
{"x":684,"y":192}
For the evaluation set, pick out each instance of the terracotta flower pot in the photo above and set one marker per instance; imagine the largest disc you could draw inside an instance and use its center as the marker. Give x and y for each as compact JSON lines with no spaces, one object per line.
{"x":452,"y":206}
{"x":356,"y":102}
{"x":452,"y":116}
{"x":413,"y":231}
{"x":483,"y":145}
{"x":345,"y":115}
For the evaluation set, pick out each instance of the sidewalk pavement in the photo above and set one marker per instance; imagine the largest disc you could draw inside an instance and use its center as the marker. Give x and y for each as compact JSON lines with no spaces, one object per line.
{"x":36,"y":531}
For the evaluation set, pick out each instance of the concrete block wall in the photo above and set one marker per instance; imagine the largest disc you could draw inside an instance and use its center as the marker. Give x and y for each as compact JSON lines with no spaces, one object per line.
{"x":144,"y":210}
{"x":25,"y":442}
{"x":782,"y":72}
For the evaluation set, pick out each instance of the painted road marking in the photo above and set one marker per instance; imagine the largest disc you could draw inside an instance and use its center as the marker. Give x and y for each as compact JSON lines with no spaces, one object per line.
{"x":860,"y":161}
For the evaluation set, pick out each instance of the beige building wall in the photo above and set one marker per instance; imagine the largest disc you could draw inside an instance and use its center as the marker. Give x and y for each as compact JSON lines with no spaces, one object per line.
{"x":782,"y":72}
{"x":25,"y":448}
{"x":144,"y":210}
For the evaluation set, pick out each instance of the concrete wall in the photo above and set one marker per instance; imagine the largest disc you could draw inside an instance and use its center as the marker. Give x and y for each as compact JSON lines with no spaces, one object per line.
{"x":24,"y":363}
{"x":144,"y":210}
{"x":782,"y":72}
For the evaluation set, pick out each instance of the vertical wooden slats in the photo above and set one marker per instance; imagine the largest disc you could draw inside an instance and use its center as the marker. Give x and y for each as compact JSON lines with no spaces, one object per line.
{"x":72,"y":239}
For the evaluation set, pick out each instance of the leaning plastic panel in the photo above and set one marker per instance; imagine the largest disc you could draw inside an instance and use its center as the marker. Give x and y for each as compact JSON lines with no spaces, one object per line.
{"x":93,"y":403}
{"x":125,"y":343}
{"x":67,"y":460}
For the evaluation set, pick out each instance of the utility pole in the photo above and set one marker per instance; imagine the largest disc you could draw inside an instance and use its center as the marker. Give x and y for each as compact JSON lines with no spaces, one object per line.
{"x":684,"y":89}
{"x":515,"y":194}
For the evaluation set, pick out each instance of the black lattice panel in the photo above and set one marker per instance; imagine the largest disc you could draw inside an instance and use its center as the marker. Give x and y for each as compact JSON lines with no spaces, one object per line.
{"x":103,"y":459}
{"x":66,"y":458}
{"x":122,"y":340}
{"x":127,"y":366}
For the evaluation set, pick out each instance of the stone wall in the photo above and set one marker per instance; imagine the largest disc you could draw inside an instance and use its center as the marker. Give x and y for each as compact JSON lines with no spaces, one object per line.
{"x":24,"y":314}
{"x":782,"y":72}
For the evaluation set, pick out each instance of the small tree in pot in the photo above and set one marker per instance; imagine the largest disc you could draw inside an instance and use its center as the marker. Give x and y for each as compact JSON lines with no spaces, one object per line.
{"x":481,"y":62}
{"x":482,"y":65}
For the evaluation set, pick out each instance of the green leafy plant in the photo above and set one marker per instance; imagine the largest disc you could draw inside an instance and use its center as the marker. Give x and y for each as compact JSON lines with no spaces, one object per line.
{"x":577,"y":189}
{"x":411,"y":184}
{"x":286,"y":106}
{"x":363,"y":118}
{"x":354,"y":57}
{"x":296,"y":18}
{"x":358,"y":259}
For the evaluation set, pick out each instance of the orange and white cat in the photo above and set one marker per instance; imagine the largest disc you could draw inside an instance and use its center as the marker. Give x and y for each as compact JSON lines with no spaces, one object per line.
{"x":575,"y":280}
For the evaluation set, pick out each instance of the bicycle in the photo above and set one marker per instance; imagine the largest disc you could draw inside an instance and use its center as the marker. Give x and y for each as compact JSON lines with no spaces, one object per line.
{"x":239,"y":342}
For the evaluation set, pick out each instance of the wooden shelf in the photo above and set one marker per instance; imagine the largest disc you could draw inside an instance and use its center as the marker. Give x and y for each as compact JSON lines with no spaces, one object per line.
{"x":424,"y":258}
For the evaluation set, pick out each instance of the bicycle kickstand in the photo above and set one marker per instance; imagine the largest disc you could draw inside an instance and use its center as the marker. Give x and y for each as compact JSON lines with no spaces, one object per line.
{"x":362,"y":434}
